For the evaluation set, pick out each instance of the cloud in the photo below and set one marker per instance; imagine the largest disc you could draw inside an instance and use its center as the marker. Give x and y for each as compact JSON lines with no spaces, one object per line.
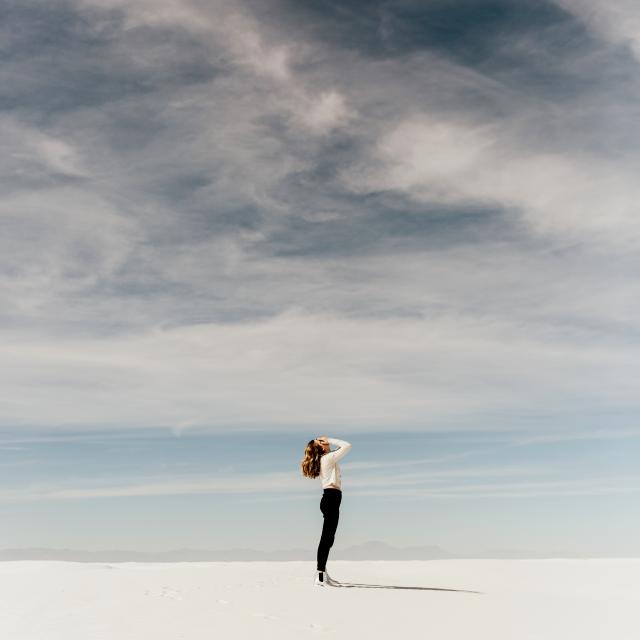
{"x":297,"y":488}
{"x":604,"y":434}
{"x":30,"y":151}
{"x":576,"y":196}
{"x":616,"y":20}
{"x":229,"y":213}
{"x":306,"y":369}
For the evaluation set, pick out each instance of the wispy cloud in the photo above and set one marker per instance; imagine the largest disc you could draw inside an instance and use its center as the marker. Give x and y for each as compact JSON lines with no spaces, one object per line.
{"x":598,"y":487}
{"x":467,"y":482}
{"x":382,"y":464}
{"x":358,"y":370}
{"x":616,"y":20}
{"x":602,"y":434}
{"x":153,"y":487}
{"x":232,"y":214}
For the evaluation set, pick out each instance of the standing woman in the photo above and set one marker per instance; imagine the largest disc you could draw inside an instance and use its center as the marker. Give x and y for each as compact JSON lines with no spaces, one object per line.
{"x":320,"y":461}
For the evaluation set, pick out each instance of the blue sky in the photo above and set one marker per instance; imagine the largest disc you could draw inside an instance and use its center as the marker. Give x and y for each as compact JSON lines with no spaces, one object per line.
{"x":466,"y":492}
{"x":227,"y":227}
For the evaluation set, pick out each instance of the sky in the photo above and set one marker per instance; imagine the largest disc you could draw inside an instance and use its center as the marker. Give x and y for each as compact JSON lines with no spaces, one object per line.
{"x":228,"y":227}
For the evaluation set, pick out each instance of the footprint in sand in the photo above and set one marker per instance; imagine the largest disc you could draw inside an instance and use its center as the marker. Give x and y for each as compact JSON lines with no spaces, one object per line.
{"x":266,"y":616}
{"x":170,"y":593}
{"x":166,"y":592}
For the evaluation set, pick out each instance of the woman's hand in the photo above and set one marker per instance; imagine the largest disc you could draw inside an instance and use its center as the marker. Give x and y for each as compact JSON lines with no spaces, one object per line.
{"x":323,"y":439}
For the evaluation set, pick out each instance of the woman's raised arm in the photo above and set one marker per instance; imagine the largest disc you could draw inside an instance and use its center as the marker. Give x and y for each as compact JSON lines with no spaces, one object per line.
{"x":344,"y":448}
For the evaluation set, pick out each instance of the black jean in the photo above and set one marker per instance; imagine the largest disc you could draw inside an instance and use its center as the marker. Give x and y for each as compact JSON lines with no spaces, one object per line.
{"x":330,"y":507}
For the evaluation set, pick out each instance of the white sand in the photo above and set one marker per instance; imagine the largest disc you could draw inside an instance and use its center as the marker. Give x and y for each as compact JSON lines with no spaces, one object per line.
{"x":584,"y":599}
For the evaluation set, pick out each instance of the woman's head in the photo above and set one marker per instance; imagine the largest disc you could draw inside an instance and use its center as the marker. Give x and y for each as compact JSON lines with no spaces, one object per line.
{"x":310,"y":463}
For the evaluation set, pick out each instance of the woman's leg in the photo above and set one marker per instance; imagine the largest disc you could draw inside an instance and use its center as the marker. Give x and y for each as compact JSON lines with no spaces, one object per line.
{"x":330,"y":507}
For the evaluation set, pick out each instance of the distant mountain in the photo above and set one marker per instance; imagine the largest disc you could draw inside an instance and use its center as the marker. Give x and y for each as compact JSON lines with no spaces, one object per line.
{"x":376,"y":550}
{"x":371,"y":550}
{"x":524,"y":554}
{"x":174,"y":555}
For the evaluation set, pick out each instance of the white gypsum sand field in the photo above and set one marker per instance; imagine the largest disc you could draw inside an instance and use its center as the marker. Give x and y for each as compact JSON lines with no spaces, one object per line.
{"x":585,"y":599}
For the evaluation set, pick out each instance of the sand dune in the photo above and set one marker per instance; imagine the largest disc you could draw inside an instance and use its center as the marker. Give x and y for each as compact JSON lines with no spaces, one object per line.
{"x":564,"y":599}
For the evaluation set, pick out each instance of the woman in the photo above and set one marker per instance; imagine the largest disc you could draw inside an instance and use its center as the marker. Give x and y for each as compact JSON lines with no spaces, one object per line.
{"x":320,"y":461}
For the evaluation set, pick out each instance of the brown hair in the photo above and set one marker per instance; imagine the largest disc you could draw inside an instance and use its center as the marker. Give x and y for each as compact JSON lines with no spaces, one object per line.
{"x":310,"y":464}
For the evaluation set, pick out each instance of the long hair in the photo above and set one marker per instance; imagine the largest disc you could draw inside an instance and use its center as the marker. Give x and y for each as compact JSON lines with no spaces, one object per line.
{"x":310,"y":464}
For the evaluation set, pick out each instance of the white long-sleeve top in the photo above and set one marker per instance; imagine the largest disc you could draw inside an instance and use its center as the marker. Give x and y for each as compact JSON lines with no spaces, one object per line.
{"x":329,"y":469}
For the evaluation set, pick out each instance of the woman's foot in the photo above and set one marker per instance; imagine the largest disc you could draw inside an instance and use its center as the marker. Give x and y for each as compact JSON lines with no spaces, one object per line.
{"x":321,"y":579}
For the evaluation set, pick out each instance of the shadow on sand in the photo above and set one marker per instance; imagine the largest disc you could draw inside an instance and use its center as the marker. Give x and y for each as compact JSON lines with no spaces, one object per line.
{"x":391,"y":586}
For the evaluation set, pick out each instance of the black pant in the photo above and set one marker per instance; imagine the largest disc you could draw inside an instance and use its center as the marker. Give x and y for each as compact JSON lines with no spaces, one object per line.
{"x":330,"y":507}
